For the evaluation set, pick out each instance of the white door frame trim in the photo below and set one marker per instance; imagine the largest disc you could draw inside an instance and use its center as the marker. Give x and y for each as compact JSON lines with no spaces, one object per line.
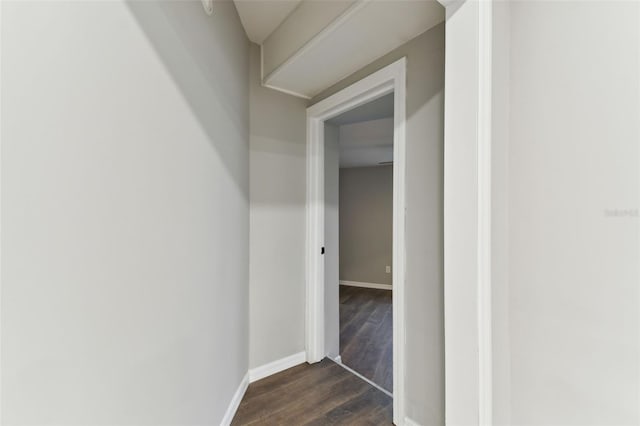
{"x":468,"y":215}
{"x":391,"y":78}
{"x":484,"y":135}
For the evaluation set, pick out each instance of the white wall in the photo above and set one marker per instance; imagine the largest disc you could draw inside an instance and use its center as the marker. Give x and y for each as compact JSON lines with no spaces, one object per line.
{"x":277,"y":153}
{"x":565,"y":230}
{"x":573,"y":159}
{"x":125,"y":213}
{"x":331,"y":240}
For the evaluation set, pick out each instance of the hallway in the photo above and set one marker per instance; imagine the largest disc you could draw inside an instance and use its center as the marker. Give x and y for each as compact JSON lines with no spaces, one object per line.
{"x":199,"y":196}
{"x":316,"y":394}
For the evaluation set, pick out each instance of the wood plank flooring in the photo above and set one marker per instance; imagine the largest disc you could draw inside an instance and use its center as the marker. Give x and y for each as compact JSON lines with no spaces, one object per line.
{"x":317,"y":394}
{"x":366,"y":333}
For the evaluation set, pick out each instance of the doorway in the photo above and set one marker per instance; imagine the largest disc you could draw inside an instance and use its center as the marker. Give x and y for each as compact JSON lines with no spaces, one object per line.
{"x":359,"y":240}
{"x":388,"y":81}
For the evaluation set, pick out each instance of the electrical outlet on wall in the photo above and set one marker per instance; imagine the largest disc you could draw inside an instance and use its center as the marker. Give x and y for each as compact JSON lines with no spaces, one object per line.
{"x":387,"y":269}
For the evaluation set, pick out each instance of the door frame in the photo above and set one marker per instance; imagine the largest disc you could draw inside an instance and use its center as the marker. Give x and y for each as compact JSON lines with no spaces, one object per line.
{"x":390,"y":79}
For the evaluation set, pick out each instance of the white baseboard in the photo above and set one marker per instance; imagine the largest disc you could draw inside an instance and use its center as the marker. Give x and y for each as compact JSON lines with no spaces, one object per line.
{"x":276,"y":366}
{"x":235,"y":401}
{"x":366,"y":285}
{"x":338,"y":359}
{"x":409,"y":422}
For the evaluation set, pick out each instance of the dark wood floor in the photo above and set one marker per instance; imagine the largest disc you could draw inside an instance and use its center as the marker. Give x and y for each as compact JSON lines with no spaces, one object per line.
{"x":318,"y":394}
{"x":366,"y":333}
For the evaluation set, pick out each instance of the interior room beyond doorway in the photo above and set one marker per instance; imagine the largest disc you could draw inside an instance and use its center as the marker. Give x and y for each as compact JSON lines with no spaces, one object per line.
{"x":359,"y":236}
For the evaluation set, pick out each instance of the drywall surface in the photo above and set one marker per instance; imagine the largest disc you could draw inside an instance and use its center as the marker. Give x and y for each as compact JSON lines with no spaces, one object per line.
{"x":366,"y":224}
{"x":298,"y":28}
{"x":424,"y":220}
{"x":331,"y":241}
{"x":125,"y":213}
{"x":573,"y":213}
{"x":278,"y":199}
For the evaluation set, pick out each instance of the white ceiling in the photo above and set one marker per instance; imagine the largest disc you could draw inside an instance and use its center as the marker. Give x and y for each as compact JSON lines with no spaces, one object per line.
{"x":366,"y":133}
{"x":260,"y":17}
{"x":366,"y":143}
{"x":374,"y":110}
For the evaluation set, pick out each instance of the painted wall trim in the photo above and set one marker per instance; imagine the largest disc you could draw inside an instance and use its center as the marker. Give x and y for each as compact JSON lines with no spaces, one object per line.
{"x":366,"y":285}
{"x":638,"y":33}
{"x":288,"y":92}
{"x":235,"y":401}
{"x":467,"y":195}
{"x":391,"y":78}
{"x":484,"y":132}
{"x":276,"y":366}
{"x":1,"y":32}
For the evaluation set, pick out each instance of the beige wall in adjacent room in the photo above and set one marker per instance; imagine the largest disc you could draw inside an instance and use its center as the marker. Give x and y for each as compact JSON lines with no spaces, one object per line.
{"x":424,"y":219}
{"x":366,"y":224}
